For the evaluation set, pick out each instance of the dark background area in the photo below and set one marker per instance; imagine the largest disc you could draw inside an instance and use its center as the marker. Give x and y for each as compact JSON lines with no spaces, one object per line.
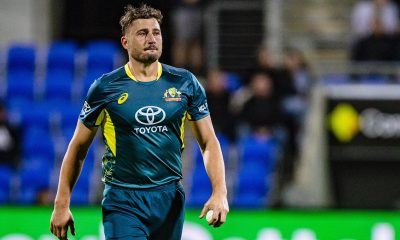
{"x":365,"y":172}
{"x":85,"y":20}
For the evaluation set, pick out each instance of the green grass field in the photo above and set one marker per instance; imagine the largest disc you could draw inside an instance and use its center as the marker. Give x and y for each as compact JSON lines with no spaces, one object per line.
{"x":33,"y":223}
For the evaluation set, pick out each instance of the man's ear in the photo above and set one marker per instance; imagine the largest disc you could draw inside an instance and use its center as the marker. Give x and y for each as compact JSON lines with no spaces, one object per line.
{"x":124,"y":42}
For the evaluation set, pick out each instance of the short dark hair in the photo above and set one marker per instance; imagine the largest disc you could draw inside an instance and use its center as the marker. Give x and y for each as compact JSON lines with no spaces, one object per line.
{"x":143,"y":12}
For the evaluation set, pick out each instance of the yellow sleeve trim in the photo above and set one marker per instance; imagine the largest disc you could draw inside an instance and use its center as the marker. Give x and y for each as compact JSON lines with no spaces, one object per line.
{"x":189,"y":117}
{"x":100,"y":118}
{"x":109,"y":133}
{"x":183,"y":130}
{"x":130,"y":75}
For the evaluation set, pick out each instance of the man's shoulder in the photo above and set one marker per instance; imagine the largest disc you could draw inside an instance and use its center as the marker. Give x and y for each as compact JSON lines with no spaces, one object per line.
{"x":175,"y":72}
{"x":110,"y":76}
{"x":104,"y":80}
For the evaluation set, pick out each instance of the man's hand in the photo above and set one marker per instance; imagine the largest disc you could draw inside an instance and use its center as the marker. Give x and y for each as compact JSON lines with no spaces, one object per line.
{"x":219,"y":205}
{"x":61,"y":219}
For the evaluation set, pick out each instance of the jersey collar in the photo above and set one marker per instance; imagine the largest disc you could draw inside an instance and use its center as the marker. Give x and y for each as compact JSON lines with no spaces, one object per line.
{"x":130,"y":75}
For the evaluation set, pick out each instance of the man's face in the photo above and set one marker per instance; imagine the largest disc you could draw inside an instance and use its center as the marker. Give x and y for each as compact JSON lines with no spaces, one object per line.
{"x":143,"y":40}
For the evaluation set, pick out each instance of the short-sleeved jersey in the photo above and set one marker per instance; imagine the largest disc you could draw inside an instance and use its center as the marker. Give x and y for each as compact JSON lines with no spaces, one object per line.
{"x":143,"y":123}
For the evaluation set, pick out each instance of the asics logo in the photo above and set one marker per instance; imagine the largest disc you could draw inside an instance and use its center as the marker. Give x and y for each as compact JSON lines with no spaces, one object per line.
{"x":123,"y":98}
{"x":150,"y":115}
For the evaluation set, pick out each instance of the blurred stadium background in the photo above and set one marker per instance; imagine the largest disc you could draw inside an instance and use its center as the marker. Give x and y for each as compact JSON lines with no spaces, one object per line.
{"x":307,"y":115}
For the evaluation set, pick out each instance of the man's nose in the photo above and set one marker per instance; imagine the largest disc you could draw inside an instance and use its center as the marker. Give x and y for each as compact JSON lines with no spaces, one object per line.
{"x":151,"y":37}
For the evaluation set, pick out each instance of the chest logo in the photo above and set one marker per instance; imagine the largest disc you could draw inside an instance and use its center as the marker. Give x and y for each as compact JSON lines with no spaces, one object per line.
{"x":172,"y":95}
{"x":123,"y":98}
{"x":150,"y":115}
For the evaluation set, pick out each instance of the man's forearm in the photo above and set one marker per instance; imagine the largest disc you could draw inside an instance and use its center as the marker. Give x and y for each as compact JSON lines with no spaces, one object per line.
{"x":215,"y":168}
{"x":70,"y":170}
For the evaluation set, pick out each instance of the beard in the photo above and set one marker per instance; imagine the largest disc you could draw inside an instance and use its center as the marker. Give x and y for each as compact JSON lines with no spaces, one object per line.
{"x":147,"y":58}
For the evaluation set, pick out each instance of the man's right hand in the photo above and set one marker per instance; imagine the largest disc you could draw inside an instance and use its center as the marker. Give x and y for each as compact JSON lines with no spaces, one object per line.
{"x":61,"y":219}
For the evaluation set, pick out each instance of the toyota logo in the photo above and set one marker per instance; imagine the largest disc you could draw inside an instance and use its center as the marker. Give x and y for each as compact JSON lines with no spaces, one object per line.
{"x":150,"y":115}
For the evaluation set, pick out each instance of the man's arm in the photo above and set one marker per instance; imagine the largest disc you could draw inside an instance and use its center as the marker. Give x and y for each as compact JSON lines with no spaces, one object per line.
{"x":214,"y":164}
{"x":71,"y":167}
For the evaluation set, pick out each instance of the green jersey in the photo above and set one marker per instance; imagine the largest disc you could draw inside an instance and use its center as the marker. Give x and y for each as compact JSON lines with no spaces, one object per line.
{"x":143,"y":123}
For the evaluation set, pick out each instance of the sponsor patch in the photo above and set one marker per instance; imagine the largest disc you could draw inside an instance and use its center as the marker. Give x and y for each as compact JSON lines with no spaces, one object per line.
{"x":172,"y":95}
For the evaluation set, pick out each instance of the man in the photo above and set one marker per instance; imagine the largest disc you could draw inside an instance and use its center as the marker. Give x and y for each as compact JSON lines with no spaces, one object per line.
{"x":141,"y":109}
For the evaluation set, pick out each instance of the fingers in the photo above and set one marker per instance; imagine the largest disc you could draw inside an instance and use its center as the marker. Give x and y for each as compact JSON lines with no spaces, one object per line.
{"x":204,"y":211}
{"x":60,"y":221}
{"x":214,"y":218}
{"x":54,"y":230}
{"x":72,"y":227}
{"x":61,"y":231}
{"x":218,"y":218}
{"x":223,"y":217}
{"x":220,"y":209}
{"x":58,"y":233}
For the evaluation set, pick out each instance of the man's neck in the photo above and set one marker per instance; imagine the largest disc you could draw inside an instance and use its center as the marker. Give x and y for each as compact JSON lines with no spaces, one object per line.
{"x":144,"y":72}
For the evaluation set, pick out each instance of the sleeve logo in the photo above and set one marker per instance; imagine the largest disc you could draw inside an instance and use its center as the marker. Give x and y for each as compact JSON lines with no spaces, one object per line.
{"x":203,"y":107}
{"x":85,"y":109}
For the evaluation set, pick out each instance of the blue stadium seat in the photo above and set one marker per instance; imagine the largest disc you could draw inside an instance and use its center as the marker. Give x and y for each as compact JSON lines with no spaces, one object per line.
{"x":69,"y":115}
{"x":34,"y":176}
{"x":101,"y":59}
{"x":19,"y":104}
{"x":198,"y":157}
{"x":81,"y":193}
{"x":252,"y":188}
{"x":67,"y":133}
{"x":101,"y":54}
{"x":16,"y":107}
{"x":37,"y":142}
{"x":58,"y":86}
{"x":334,"y":79}
{"x":61,"y":57}
{"x":37,"y":116}
{"x":20,"y":71}
{"x":60,"y":112}
{"x":200,"y":189}
{"x":90,"y":76}
{"x":20,"y":85}
{"x":373,"y":79}
{"x":21,"y":57}
{"x":60,"y":70}
{"x":256,"y":165}
{"x":6,"y":177}
{"x":263,"y":150}
{"x":234,"y":82}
